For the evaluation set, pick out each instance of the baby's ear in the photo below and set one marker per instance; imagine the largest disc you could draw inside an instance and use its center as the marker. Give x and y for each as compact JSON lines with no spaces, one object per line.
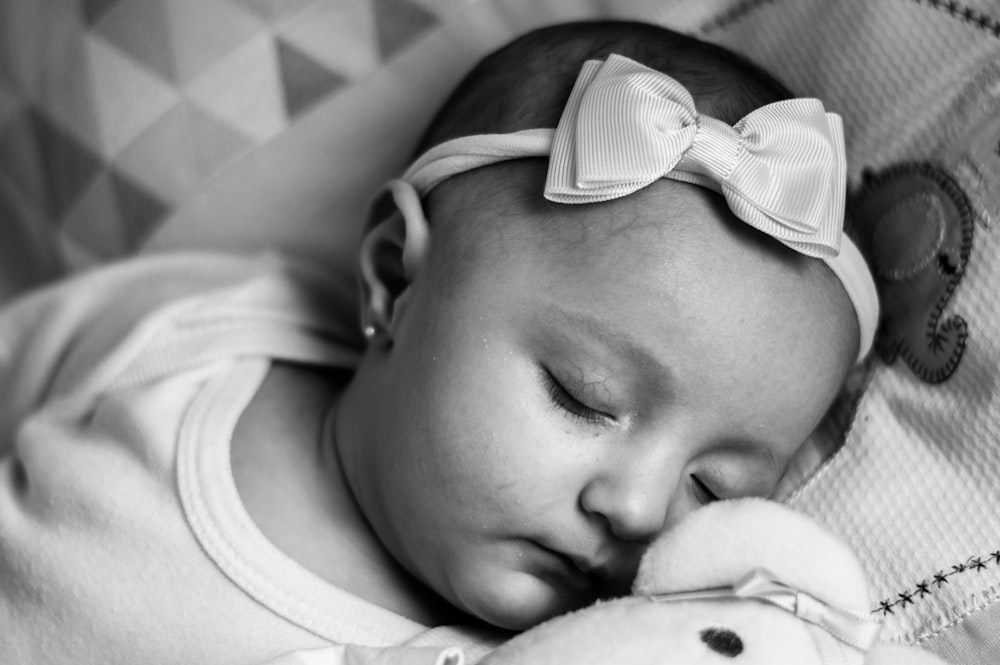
{"x":393,"y":252}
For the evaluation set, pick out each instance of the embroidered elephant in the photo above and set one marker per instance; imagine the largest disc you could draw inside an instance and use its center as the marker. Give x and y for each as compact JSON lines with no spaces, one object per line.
{"x":917,"y":226}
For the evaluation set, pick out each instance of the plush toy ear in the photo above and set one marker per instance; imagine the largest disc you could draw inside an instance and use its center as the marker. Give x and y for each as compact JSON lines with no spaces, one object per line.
{"x":896,"y":654}
{"x":718,"y":544}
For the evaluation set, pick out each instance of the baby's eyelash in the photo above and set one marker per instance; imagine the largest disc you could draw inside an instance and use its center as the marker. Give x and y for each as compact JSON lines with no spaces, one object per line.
{"x":570,"y":404}
{"x":702,"y":492}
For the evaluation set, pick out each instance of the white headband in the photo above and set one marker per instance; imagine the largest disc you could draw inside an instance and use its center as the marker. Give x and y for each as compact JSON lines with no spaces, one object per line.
{"x":782,"y":168}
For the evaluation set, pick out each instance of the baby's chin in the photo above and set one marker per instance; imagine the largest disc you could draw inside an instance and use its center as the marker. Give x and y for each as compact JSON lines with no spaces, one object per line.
{"x":517,"y":601}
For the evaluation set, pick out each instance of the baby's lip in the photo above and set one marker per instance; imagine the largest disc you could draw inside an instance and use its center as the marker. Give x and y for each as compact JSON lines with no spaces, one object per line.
{"x":615,"y":575}
{"x":563,"y":570}
{"x":590,"y":566}
{"x":604,"y":570}
{"x":612,"y":576}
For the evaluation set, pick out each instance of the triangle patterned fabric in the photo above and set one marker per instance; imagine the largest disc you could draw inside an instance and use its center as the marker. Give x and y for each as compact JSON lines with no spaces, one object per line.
{"x":163,"y":95}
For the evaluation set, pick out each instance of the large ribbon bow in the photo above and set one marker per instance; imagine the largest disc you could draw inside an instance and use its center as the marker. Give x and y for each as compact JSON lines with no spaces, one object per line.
{"x":850,"y":627}
{"x":782,"y":168}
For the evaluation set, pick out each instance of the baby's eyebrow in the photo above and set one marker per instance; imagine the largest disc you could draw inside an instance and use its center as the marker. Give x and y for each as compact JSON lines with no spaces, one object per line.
{"x":613,"y":338}
{"x":776,"y":462}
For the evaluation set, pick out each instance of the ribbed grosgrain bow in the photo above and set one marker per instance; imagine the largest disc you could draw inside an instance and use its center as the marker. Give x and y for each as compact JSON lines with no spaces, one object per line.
{"x":853,"y":628}
{"x":781,"y":168}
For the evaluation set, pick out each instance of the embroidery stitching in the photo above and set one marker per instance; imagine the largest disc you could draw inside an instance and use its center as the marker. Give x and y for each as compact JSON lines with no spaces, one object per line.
{"x":975,"y":18}
{"x":733,"y":14}
{"x":934,"y":354}
{"x":926,"y":586}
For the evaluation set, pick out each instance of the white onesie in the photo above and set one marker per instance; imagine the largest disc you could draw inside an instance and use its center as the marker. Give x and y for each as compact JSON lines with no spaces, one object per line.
{"x":122,"y":536}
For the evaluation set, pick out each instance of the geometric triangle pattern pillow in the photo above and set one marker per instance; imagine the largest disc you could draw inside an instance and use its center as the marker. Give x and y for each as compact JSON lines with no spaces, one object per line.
{"x":114,"y":111}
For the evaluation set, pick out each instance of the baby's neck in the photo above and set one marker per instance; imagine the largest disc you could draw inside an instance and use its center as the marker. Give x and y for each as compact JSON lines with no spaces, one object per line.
{"x":289,"y":478}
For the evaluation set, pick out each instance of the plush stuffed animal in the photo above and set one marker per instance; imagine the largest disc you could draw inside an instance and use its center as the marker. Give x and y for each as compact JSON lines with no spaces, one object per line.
{"x":744,"y":582}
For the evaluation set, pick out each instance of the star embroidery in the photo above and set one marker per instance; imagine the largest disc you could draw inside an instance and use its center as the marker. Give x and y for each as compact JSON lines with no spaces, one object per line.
{"x":940,"y":578}
{"x":922,"y":589}
{"x":977,"y":564}
{"x":905,"y":598}
{"x":996,"y":557}
{"x":885,"y":607}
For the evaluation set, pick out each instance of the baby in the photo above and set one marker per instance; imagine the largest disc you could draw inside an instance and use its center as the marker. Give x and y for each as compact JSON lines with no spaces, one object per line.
{"x":594,"y":306}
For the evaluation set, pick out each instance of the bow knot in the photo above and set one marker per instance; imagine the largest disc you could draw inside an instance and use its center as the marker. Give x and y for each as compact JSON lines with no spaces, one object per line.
{"x":781,"y":168}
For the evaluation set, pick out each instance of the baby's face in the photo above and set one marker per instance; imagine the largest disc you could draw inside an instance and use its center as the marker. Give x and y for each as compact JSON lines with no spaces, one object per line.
{"x":553,"y":404}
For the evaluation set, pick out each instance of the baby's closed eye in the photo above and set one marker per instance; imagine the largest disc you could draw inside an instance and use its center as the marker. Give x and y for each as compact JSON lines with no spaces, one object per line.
{"x":573,"y":402}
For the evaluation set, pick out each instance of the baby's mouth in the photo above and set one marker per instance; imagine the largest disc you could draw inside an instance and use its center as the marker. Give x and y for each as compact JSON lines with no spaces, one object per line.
{"x":595,"y":579}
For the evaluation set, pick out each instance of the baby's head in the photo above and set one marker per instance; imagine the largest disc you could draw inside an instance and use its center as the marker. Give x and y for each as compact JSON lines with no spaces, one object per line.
{"x":547,"y":386}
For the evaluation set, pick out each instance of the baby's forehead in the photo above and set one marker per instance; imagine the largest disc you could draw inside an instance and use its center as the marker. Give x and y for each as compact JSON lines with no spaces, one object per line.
{"x":664,"y":239}
{"x":497,"y":210}
{"x":501,"y":208}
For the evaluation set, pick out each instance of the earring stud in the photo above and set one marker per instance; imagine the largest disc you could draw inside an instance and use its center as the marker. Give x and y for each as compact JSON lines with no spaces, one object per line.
{"x":369,"y":331}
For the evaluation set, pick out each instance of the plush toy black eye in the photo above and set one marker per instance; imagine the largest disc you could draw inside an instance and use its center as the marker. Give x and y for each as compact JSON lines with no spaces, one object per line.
{"x":722,"y":641}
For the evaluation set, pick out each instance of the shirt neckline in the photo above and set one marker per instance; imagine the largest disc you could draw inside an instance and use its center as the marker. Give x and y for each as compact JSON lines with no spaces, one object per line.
{"x":233,"y":541}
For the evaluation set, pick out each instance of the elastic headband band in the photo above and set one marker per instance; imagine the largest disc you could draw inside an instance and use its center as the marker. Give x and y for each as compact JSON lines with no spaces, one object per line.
{"x":782,"y":168}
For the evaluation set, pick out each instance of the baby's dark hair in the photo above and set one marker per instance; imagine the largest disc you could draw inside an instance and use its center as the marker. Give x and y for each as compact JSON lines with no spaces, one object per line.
{"x":525,"y":84}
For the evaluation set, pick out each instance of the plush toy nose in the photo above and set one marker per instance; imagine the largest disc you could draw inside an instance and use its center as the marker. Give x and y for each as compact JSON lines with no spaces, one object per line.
{"x":722,"y":641}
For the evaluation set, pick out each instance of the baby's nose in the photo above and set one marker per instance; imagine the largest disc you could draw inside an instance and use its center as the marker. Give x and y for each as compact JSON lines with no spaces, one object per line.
{"x":633,"y":499}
